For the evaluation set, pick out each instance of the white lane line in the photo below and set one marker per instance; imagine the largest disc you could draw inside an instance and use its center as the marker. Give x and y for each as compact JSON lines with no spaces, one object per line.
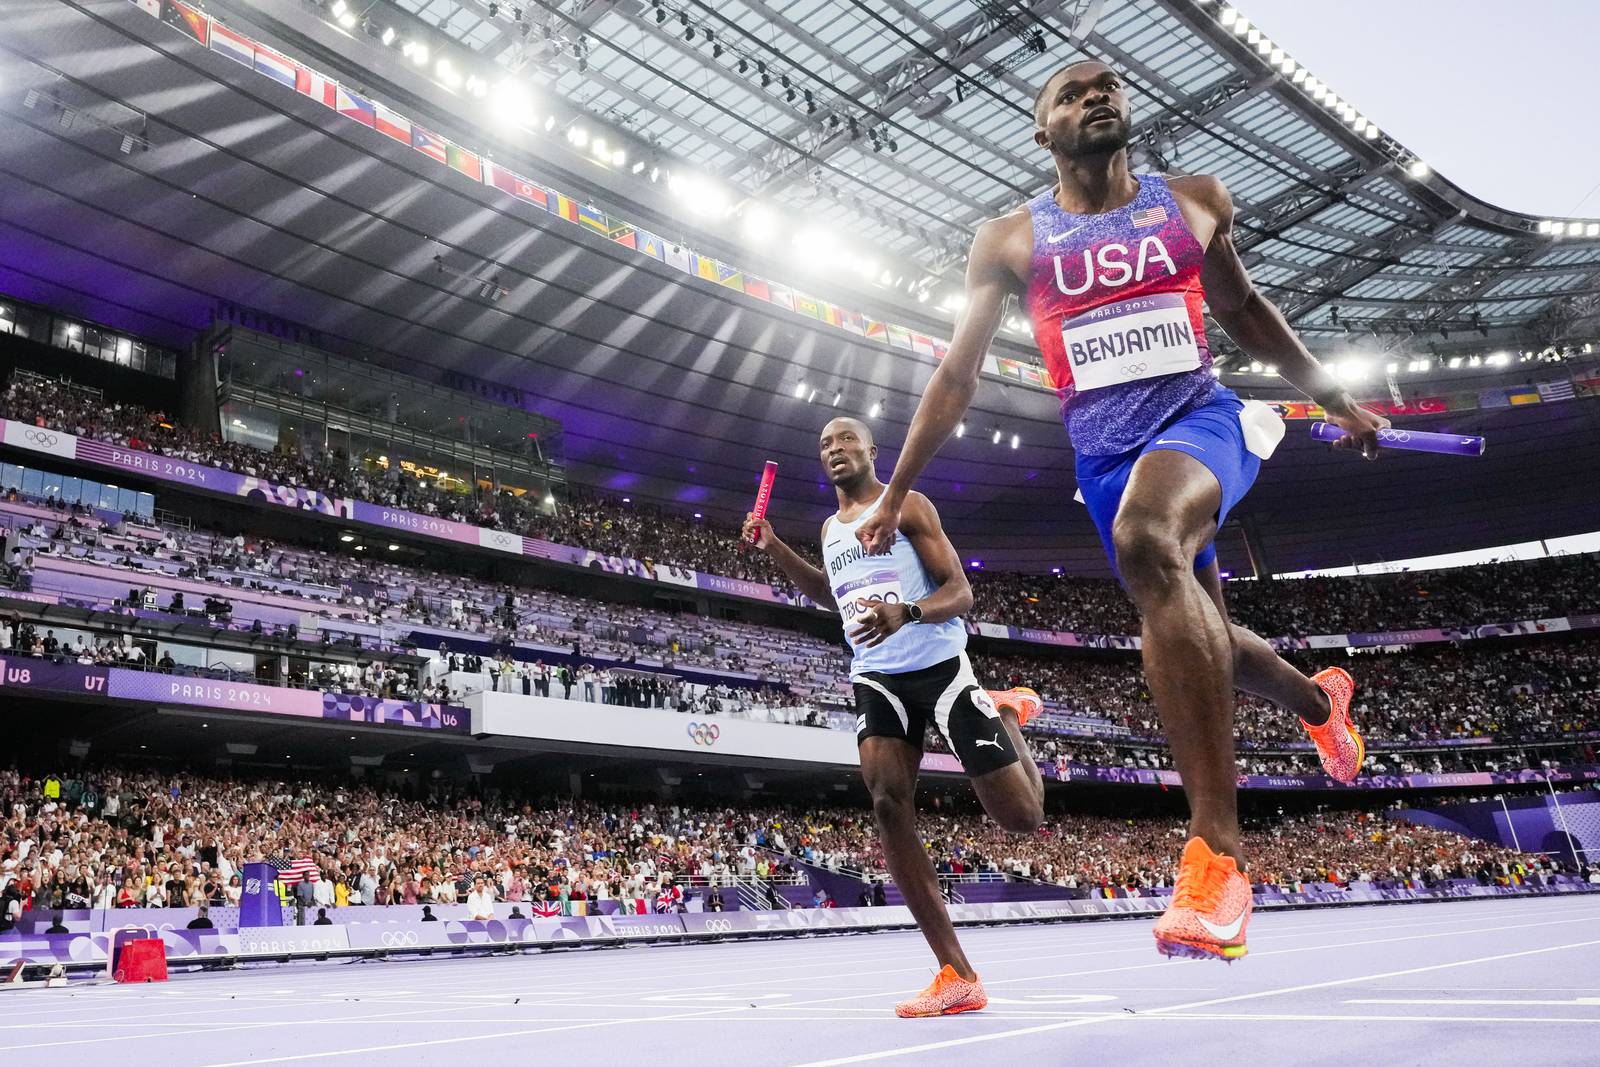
{"x":1173,"y":1008}
{"x":1592,"y":1001}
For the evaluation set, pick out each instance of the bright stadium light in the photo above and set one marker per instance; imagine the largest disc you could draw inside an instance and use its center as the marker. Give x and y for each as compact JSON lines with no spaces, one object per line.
{"x":1275,"y":56}
{"x":1419,"y":169}
{"x":1544,"y":225}
{"x":759,"y":223}
{"x":511,"y":102}
{"x":339,"y":8}
{"x":800,"y":389}
{"x":877,"y":409}
{"x":638,"y":165}
{"x":388,"y":35}
{"x":1228,"y":16}
{"x":1498,"y":359}
{"x":348,"y":20}
{"x":1300,"y":75}
{"x":996,"y":439}
{"x":961,"y":429}
{"x":1455,"y":361}
{"x":1391,"y":368}
{"x":1016,"y":441}
{"x":1241,"y":26}
{"x":1288,"y":66}
{"x":578,"y":137}
{"x":1361,"y":125}
{"x":1372,"y":132}
{"x":1592,"y":230}
{"x":1558,"y":228}
{"x":419,"y":55}
{"x":618,"y":157}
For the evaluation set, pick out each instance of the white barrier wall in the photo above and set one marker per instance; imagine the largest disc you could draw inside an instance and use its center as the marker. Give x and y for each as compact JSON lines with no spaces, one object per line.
{"x":515,"y":715}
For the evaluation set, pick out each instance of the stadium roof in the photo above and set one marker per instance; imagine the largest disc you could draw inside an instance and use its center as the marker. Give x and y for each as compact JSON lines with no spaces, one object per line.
{"x":151,"y":180}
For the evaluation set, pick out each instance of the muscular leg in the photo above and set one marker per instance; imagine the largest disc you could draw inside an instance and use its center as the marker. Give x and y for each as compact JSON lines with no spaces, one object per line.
{"x":889,"y":767}
{"x":1013,"y":796}
{"x":1168,"y":514}
{"x":1259,"y":670}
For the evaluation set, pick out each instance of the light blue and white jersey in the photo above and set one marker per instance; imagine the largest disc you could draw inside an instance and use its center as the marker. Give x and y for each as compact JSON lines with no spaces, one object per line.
{"x":899,"y":577}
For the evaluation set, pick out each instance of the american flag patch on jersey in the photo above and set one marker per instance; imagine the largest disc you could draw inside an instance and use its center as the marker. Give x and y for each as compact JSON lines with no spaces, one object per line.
{"x":1150,"y":216}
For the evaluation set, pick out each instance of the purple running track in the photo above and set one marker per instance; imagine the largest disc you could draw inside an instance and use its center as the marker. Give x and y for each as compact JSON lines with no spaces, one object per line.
{"x":1490,"y":981}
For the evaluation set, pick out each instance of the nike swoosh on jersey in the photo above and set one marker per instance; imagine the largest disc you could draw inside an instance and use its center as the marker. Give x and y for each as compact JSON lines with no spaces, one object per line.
{"x":1223,"y":933}
{"x":1185,"y":444}
{"x":1053,"y":238}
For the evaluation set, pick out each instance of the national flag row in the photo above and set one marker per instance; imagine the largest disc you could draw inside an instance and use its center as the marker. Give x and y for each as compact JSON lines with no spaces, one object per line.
{"x":357,"y":107}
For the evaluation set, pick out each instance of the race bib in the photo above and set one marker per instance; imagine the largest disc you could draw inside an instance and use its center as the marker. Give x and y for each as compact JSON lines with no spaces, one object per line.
{"x":1146,"y":337}
{"x":857,"y":596}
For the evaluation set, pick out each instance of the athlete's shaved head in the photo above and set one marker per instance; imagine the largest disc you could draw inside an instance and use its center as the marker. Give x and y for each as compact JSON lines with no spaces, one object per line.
{"x":847,"y":451}
{"x":1082,"y":111}
{"x":1039,"y":107}
{"x":862,"y":430}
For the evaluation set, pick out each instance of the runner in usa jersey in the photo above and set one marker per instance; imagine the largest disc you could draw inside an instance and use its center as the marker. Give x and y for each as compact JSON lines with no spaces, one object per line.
{"x":1116,"y":304}
{"x":1116,"y":271}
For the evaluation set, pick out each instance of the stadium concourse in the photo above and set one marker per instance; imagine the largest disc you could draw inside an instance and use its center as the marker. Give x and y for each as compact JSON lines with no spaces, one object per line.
{"x":389,"y":668}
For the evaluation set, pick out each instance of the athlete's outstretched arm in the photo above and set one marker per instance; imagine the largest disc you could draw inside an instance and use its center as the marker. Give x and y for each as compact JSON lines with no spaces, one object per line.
{"x":944,"y":402}
{"x":953,"y":593}
{"x":1257,"y":326}
{"x":810,"y":580}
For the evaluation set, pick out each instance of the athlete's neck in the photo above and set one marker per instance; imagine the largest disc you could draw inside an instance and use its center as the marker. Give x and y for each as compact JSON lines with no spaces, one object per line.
{"x":1095,"y":184}
{"x":860,"y":492}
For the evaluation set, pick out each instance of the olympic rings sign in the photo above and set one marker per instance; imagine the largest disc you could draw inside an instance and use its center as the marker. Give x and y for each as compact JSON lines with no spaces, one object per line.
{"x":1133,"y":370}
{"x":399,"y":938}
{"x":1394,"y":435}
{"x":40,"y":437}
{"x":704,"y":733}
{"x":719,"y":926}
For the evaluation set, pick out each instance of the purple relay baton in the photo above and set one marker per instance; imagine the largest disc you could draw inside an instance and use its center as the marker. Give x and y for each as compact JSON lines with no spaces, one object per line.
{"x":1450,"y":444}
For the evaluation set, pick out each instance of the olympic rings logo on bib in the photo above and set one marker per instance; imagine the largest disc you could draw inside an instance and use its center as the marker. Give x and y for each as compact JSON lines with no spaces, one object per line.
{"x":1136,"y":370}
{"x":704,"y":733}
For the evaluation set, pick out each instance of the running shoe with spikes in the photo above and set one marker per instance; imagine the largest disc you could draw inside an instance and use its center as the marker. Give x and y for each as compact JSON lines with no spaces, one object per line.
{"x":1339,"y":747}
{"x":1022,"y":700}
{"x":1210,"y":907}
{"x":948,"y":994}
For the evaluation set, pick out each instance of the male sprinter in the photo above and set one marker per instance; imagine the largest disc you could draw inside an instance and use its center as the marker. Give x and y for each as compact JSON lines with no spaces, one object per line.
{"x":1113,"y":268}
{"x":909,"y":666}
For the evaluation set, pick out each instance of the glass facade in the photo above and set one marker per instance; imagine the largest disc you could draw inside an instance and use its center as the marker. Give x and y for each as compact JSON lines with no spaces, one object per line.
{"x":39,"y":484}
{"x":97,"y":342}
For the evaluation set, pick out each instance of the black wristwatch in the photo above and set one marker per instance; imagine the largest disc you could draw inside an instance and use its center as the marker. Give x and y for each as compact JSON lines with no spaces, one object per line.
{"x":914,"y":610}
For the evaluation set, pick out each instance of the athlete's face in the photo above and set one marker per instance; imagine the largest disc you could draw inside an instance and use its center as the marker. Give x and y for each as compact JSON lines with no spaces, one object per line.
{"x":847,"y":451}
{"x":1083,"y":112}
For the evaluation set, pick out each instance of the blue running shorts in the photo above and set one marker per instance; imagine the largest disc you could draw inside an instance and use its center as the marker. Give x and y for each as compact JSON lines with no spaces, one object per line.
{"x":1211,"y":434}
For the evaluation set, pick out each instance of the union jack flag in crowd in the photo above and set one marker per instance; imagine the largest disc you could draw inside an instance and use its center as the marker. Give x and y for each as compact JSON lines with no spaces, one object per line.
{"x":544,"y":909}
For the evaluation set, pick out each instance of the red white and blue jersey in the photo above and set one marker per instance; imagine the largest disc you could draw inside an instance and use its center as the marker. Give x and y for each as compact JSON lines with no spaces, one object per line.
{"x":1116,"y":303}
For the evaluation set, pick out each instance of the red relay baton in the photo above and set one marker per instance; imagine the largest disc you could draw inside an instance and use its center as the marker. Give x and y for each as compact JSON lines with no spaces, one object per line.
{"x":764,"y":494}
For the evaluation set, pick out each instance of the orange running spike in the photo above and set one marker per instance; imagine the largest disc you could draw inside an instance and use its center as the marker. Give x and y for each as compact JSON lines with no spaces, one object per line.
{"x":948,"y":994}
{"x":1210,"y":907}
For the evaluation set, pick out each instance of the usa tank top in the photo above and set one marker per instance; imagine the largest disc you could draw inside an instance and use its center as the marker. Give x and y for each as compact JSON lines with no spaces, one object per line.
{"x":1115,"y":301}
{"x":899,"y":577}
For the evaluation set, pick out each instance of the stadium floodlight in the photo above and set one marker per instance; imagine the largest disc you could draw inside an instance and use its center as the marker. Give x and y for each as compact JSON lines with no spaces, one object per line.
{"x":1544,"y":225}
{"x":550,"y":124}
{"x":419,"y":54}
{"x":1252,"y":37}
{"x":447,"y":73}
{"x":1372,"y":131}
{"x":339,"y":8}
{"x":1016,"y":441}
{"x":1334,"y":103}
{"x":1558,"y":228}
{"x":512,"y":101}
{"x":1255,"y":368}
{"x":759,"y":223}
{"x":997,"y":436}
{"x":800,"y":389}
{"x":1455,"y":361}
{"x":1272,"y":370}
{"x":1275,"y":56}
{"x":599,"y":148}
{"x":1300,"y":75}
{"x":348,"y":20}
{"x":1419,"y":169}
{"x":1228,"y":16}
{"x":1391,"y":368}
{"x":1288,"y":66}
{"x":1498,"y":359}
{"x":1241,"y":26}
{"x":1361,"y":125}
{"x":876,"y":410}
{"x":1264,"y":46}
{"x":961,"y":429}
{"x":922,"y":296}
{"x":618,"y":157}
{"x":388,"y":35}
{"x":577,"y":136}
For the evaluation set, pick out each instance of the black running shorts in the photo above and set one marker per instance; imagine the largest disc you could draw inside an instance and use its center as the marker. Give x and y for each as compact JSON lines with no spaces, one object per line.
{"x":948,"y":696}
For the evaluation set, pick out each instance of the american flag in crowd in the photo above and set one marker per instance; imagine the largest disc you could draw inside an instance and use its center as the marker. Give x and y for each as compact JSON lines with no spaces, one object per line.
{"x":1150,"y":216}
{"x":292,"y":871}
